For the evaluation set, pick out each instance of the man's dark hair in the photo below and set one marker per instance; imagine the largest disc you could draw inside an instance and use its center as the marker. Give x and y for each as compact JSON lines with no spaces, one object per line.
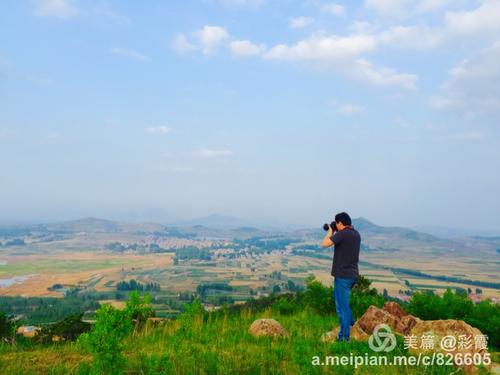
{"x":343,"y":218}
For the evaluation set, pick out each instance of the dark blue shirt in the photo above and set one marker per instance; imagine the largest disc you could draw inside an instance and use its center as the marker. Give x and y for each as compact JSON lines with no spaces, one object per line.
{"x":346,"y":253}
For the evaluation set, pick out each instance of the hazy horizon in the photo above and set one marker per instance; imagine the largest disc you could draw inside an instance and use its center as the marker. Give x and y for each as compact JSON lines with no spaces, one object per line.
{"x":270,"y":111}
{"x":158,"y":216}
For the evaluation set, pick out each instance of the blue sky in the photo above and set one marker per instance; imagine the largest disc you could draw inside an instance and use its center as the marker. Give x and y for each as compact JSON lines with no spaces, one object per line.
{"x":261,"y":109}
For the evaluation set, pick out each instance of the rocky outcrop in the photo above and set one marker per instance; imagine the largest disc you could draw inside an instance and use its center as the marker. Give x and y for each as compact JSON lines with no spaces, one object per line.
{"x":406,"y":324}
{"x":391,"y":314}
{"x":410,"y":326}
{"x":267,"y":327}
{"x":461,"y":334}
{"x":374,"y":316}
{"x":394,"y":309}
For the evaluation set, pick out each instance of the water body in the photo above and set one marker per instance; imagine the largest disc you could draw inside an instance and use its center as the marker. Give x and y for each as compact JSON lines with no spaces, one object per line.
{"x":5,"y":283}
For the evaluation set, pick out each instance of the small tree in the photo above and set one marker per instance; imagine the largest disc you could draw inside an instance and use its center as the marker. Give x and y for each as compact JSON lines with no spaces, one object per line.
{"x":69,"y":328}
{"x":138,"y":308}
{"x":6,"y":326}
{"x":318,"y":297}
{"x":105,"y":339}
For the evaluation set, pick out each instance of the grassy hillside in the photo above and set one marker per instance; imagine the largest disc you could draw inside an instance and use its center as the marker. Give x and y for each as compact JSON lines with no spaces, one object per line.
{"x":214,"y":344}
{"x":198,"y":342}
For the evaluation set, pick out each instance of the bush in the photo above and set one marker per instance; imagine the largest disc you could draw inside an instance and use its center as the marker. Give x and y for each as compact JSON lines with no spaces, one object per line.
{"x":69,"y":328}
{"x":6,"y":326}
{"x":363,"y":296}
{"x":105,"y":339}
{"x":285,"y":306}
{"x":318,"y":297}
{"x":138,"y":308}
{"x":485,"y":315}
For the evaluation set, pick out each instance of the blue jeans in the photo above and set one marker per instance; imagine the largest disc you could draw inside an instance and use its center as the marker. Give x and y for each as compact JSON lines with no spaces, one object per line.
{"x":341,"y":293}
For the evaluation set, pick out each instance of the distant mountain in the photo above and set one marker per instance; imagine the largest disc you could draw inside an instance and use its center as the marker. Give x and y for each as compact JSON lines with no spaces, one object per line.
{"x":365,"y":226}
{"x":216,"y":221}
{"x":448,"y":232}
{"x":154,"y":215}
{"x":92,"y":225}
{"x":87,"y":224}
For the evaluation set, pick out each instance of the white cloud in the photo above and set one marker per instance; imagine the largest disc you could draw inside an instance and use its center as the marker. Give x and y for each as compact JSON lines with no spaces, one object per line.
{"x":208,"y":153}
{"x":241,"y":3}
{"x":362,"y":27}
{"x":158,"y":130}
{"x":473,"y":86}
{"x":56,"y":8}
{"x":412,"y":37}
{"x":364,"y":71}
{"x":300,"y":22}
{"x":207,"y":39}
{"x":244,"y":48}
{"x":211,"y":37}
{"x":182,"y":45}
{"x":482,"y":22}
{"x":485,"y":18}
{"x":131,"y":54}
{"x":350,"y":109}
{"x":329,"y":48}
{"x":333,"y":8}
{"x":342,"y":55}
{"x":388,"y":8}
{"x":405,"y":8}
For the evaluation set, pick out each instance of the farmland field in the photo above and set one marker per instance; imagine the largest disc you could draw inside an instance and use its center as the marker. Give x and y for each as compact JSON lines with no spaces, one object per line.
{"x":228,"y":266}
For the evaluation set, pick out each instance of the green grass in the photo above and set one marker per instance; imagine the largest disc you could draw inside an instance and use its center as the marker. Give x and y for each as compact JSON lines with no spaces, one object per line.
{"x":51,"y":265}
{"x":218,"y":344}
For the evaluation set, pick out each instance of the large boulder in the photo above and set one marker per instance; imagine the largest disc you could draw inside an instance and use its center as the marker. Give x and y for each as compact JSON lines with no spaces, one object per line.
{"x":394,"y":309}
{"x":374,"y":316}
{"x":429,"y":330}
{"x":391,"y":314}
{"x":267,"y":327}
{"x":463,"y":334}
{"x":406,"y":323}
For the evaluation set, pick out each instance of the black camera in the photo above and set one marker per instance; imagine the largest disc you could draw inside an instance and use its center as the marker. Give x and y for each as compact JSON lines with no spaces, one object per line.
{"x":332,"y":225}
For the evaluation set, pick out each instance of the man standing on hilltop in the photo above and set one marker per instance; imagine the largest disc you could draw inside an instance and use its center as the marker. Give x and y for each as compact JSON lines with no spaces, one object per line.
{"x":346,"y":241}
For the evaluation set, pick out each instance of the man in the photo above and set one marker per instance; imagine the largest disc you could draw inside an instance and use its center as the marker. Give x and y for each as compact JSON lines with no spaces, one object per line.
{"x":346,"y":241}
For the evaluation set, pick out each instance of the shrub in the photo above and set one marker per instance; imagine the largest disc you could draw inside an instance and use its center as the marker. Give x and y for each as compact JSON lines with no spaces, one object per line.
{"x":138,"y":308}
{"x":6,"y":326}
{"x":285,"y":306}
{"x":362,"y":296}
{"x":485,"y":315}
{"x":318,"y":297}
{"x":69,"y":328}
{"x":105,"y":339}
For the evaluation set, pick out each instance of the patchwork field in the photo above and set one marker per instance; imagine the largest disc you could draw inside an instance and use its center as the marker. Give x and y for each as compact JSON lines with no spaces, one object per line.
{"x":94,"y":255}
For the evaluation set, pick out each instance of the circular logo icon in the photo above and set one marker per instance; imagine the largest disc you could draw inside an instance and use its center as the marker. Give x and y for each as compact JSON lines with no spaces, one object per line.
{"x":382,"y":339}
